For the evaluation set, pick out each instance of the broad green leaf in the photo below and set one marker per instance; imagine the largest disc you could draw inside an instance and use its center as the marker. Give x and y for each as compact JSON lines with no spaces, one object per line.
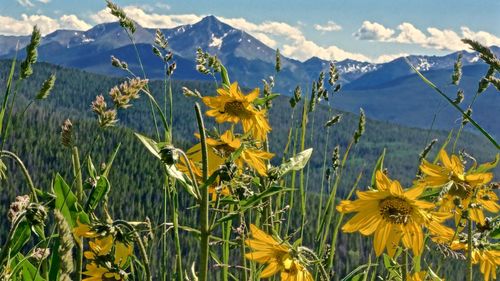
{"x":379,"y":166}
{"x":66,"y":200}
{"x":295,"y":163}
{"x":150,"y":144}
{"x":20,"y":237}
{"x":55,"y":259}
{"x":97,"y":194}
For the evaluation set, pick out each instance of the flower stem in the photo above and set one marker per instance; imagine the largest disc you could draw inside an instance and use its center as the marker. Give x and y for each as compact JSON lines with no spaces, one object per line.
{"x":77,"y":172}
{"x":204,"y":221}
{"x":469,"y":250}
{"x":24,"y":170}
{"x":139,"y":242}
{"x":404,"y":266}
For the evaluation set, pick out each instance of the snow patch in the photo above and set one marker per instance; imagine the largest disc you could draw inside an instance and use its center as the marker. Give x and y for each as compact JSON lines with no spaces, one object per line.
{"x":216,"y":42}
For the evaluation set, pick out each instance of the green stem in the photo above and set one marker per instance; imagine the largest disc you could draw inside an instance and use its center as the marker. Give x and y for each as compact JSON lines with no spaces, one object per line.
{"x":469,"y":250}
{"x":138,"y":240}
{"x":23,"y":169}
{"x":204,"y":219}
{"x":77,"y":172}
{"x":404,"y":266}
{"x":15,"y":225}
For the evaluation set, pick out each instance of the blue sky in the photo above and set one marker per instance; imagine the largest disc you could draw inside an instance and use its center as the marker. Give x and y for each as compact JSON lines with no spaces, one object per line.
{"x":374,"y":30}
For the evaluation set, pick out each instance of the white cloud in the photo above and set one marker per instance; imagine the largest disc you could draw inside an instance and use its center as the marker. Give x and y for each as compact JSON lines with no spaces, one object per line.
{"x":373,"y":31}
{"x":410,"y":34}
{"x":294,"y":44}
{"x":328,"y":27}
{"x":44,"y":1}
{"x":433,"y":38}
{"x":24,"y":26}
{"x":482,"y":36}
{"x":73,"y":22}
{"x":26,"y":3}
{"x":150,"y":20}
{"x":389,"y":57}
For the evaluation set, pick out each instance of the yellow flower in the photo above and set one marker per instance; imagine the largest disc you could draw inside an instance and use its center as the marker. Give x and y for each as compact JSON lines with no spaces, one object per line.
{"x":393,"y":214}
{"x":254,"y":158}
{"x":465,"y":188}
{"x":232,"y":106}
{"x":83,"y":230}
{"x":488,"y":259}
{"x":452,"y":170}
{"x":417,"y":276}
{"x":423,"y":276}
{"x":195,"y":160}
{"x":99,"y":273}
{"x":99,"y":247}
{"x":276,"y":255}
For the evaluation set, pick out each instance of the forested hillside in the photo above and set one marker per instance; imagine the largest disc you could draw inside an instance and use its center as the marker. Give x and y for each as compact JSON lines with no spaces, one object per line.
{"x":137,"y":179}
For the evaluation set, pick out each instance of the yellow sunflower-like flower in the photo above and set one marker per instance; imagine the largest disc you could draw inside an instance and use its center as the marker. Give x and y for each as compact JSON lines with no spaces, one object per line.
{"x":393,"y":214}
{"x":254,"y":158}
{"x":488,"y":259}
{"x":423,"y":276}
{"x":96,"y":272}
{"x":276,"y":255}
{"x":84,"y":231}
{"x":195,"y":159}
{"x":103,"y":247}
{"x":465,"y":189}
{"x":99,"y":247}
{"x":232,"y":106}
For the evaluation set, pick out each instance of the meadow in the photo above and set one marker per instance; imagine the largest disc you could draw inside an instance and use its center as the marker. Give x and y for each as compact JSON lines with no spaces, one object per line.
{"x":108,"y":178}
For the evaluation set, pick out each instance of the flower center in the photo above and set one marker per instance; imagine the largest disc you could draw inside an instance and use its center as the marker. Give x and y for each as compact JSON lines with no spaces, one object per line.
{"x":395,"y":210}
{"x":460,"y":189}
{"x":236,"y":108}
{"x":224,"y":149}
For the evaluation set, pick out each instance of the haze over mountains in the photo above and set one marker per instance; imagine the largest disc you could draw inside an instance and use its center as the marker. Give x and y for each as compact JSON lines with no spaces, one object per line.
{"x":387,"y":91}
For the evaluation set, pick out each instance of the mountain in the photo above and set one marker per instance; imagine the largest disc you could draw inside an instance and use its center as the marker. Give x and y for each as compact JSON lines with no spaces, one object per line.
{"x":244,"y":55}
{"x":389,"y":91}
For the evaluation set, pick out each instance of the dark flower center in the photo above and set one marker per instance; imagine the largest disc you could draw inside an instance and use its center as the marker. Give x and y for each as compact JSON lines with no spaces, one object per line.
{"x":236,"y":108}
{"x":395,"y":210}
{"x":460,"y":189}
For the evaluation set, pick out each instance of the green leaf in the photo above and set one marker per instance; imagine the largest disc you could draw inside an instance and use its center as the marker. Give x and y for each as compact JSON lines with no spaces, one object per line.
{"x":379,"y":166}
{"x":97,"y":194}
{"x":91,"y":168}
{"x":66,"y":200}
{"x":111,"y":160}
{"x":150,"y":144}
{"x":224,"y":77}
{"x":20,"y":237}
{"x":295,"y":163}
{"x":264,"y":100}
{"x":55,"y":259}
{"x":488,"y":165}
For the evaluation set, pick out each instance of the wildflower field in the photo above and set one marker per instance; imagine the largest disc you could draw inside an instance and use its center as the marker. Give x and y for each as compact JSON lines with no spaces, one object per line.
{"x":184,"y":180}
